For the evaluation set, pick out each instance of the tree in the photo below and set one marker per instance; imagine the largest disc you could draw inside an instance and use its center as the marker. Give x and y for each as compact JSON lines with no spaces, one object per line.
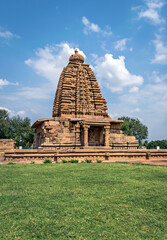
{"x":17,"y":129}
{"x":133,"y":127}
{"x":4,"y":124}
{"x":161,"y":143}
{"x":21,"y":131}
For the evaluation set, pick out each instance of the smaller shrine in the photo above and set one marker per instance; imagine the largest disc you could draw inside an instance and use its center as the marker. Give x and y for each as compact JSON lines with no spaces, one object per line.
{"x":79,"y":117}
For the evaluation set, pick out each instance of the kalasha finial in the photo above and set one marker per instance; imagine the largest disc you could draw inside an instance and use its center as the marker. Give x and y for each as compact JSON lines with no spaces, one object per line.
{"x":76,"y":51}
{"x":78,"y":58}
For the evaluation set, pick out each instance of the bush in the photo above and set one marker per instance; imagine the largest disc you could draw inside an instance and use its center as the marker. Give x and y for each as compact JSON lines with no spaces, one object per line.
{"x":73,"y":161}
{"x":99,"y":161}
{"x":47,"y":161}
{"x":11,"y":163}
{"x":88,"y":161}
{"x":64,"y":161}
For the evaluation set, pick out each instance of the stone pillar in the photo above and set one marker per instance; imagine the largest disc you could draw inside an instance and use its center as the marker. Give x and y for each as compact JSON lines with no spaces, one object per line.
{"x":85,"y":128}
{"x":107,"y":131}
{"x":77,"y":133}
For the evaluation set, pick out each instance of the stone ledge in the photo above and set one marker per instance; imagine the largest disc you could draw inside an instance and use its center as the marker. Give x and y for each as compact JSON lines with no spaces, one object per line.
{"x":106,"y":155}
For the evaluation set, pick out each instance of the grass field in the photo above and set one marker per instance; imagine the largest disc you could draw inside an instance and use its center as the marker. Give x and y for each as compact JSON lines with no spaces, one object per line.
{"x":83,"y":201}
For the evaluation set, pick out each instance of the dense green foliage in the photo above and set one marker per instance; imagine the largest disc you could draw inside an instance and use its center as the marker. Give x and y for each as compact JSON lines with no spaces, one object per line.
{"x":88,"y":161}
{"x":4,"y":124}
{"x":73,"y":161}
{"x":17,"y":129}
{"x":153,"y":144}
{"x":83,"y":201}
{"x":99,"y":161}
{"x":47,"y":161}
{"x":133,"y":127}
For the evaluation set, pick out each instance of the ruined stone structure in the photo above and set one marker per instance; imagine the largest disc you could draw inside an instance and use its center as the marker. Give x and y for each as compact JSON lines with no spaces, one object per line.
{"x":79,"y":117}
{"x":6,"y":144}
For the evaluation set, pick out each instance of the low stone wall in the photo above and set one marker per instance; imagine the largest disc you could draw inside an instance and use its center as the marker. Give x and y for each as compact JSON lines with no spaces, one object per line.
{"x":105,"y":155}
{"x":28,"y":155}
{"x":6,"y":144}
{"x":111,"y":155}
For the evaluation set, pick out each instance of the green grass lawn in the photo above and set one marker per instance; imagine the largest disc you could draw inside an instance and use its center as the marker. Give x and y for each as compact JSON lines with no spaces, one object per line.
{"x":83,"y":201}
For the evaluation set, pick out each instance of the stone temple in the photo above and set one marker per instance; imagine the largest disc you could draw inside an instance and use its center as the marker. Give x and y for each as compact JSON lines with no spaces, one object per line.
{"x":79,"y":118}
{"x":80,"y":128}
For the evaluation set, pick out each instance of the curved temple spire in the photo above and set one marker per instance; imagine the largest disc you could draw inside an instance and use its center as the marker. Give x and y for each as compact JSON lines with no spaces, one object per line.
{"x":78,"y":92}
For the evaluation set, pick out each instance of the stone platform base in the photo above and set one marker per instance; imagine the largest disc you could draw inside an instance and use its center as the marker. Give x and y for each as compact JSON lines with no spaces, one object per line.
{"x":150,"y":156}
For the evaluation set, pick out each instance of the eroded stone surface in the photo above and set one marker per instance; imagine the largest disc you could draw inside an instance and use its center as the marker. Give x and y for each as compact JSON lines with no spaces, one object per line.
{"x":6,"y":144}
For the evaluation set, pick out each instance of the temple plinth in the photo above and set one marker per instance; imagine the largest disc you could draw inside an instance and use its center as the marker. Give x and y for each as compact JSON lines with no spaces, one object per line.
{"x":79,"y":118}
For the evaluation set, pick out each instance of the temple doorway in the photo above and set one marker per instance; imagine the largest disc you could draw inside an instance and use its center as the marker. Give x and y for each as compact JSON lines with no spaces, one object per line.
{"x":95,"y":136}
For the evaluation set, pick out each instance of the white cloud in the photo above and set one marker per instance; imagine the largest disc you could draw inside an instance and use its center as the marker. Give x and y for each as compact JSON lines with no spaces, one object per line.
{"x":135,"y":110}
{"x":50,"y":61}
{"x":154,"y":4}
{"x":157,"y":78}
{"x":21,"y":113}
{"x":121,"y":44}
{"x":94,"y":55}
{"x":161,"y":51}
{"x":134,"y":89}
{"x":4,"y":82}
{"x":148,"y":104}
{"x":85,"y":21}
{"x":12,"y":113}
{"x":151,"y":11}
{"x":114,"y":74}
{"x":6,"y":34}
{"x":92,"y":27}
{"x":114,"y":115}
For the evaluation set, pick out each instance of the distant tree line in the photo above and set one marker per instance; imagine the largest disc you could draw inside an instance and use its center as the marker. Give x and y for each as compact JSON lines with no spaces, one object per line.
{"x":154,"y":144}
{"x":16,"y":128}
{"x":134,"y":127}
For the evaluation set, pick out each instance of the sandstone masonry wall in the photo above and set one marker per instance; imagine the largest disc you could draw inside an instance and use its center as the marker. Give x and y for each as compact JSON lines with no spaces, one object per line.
{"x":105,"y":155}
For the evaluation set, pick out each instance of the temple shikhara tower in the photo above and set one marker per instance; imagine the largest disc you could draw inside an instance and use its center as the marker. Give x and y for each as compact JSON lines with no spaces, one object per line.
{"x":79,"y":117}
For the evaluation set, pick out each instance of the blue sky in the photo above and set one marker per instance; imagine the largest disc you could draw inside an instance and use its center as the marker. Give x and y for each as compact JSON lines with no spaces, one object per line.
{"x":125,"y":42}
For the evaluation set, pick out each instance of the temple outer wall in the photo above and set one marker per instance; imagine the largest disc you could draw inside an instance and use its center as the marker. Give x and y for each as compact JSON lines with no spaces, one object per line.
{"x":57,"y":133}
{"x":105,"y":155}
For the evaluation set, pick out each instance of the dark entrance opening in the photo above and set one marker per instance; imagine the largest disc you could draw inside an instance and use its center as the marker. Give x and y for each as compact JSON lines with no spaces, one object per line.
{"x":82,"y":136}
{"x":95,"y":136}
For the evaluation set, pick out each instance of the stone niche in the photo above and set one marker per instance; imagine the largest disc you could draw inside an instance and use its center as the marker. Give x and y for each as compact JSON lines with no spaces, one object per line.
{"x":79,"y":118}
